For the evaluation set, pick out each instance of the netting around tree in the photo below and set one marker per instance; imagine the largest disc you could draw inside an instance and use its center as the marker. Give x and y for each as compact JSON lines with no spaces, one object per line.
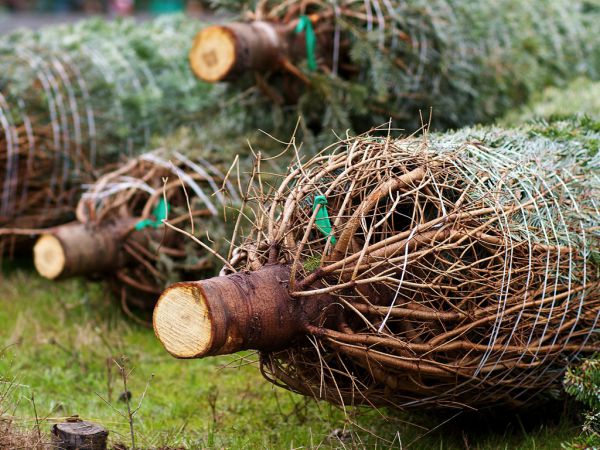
{"x":470,"y":61}
{"x":76,"y":98}
{"x":155,"y":186}
{"x":462,"y":268}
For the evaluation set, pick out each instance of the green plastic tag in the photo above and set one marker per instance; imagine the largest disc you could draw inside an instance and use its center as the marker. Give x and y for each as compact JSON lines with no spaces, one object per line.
{"x":304,"y":24}
{"x":322,"y":221}
{"x":160,"y":212}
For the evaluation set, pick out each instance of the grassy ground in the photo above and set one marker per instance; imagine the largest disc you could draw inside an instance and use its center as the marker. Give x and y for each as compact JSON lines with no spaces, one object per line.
{"x":58,"y":341}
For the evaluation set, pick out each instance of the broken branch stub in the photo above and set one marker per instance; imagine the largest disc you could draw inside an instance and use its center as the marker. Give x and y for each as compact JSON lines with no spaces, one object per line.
{"x":226,"y":314}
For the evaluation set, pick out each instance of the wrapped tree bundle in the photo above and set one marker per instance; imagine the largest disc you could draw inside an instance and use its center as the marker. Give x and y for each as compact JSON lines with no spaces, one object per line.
{"x":120,"y":232}
{"x":358,"y":63}
{"x":449,"y":270}
{"x":74,"y":98}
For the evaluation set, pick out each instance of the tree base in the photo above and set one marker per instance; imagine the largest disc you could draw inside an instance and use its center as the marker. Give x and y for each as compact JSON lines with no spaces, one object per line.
{"x":221,"y":52}
{"x":223,"y":315}
{"x":77,"y":249}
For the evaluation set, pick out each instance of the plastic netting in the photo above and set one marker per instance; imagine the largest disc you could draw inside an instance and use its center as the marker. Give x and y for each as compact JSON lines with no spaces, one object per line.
{"x":463,"y":268}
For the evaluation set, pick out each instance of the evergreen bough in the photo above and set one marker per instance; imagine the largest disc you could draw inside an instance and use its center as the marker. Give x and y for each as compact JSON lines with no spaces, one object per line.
{"x":583,"y":383}
{"x":74,"y":98}
{"x":470,"y":61}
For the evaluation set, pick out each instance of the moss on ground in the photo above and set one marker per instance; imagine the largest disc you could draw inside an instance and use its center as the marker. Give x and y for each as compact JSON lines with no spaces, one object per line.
{"x":57,"y":339}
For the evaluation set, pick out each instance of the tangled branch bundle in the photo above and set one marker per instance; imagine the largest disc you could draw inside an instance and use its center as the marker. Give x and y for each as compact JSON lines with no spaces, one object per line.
{"x":373,"y":59}
{"x":120,"y":229}
{"x":454,"y":270}
{"x":74,"y":98}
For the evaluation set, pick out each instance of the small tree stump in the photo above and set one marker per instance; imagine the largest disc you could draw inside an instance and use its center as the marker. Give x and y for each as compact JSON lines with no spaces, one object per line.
{"x":79,"y":436}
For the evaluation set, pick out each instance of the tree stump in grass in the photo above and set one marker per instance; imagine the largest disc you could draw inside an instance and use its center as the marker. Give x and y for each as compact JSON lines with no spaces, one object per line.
{"x":79,"y":435}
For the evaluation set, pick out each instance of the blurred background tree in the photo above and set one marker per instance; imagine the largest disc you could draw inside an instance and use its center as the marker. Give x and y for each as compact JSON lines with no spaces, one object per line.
{"x":120,"y":7}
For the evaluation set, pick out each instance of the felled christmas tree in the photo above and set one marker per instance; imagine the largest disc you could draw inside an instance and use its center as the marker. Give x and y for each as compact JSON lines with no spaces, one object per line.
{"x":453,"y":270}
{"x":120,"y":231}
{"x":76,"y":98}
{"x":355,"y":64}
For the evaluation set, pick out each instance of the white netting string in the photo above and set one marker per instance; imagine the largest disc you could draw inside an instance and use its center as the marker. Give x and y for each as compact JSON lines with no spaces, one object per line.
{"x":463,"y":268}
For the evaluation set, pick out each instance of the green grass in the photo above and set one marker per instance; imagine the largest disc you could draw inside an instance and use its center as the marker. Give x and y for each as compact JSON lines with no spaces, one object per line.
{"x":58,"y":337}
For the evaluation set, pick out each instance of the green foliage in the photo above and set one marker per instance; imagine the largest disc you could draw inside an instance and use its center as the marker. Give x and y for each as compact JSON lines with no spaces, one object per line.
{"x":557,"y":144}
{"x":103,"y":87}
{"x":312,"y":263}
{"x":580,"y":97}
{"x":575,"y":128}
{"x":583,"y":383}
{"x":567,"y":128}
{"x":75,"y":98}
{"x":469,"y":61}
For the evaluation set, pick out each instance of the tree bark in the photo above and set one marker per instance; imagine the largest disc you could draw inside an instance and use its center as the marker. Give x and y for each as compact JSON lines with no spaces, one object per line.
{"x":77,"y":249}
{"x":79,"y":436}
{"x":245,"y":310}
{"x":222,"y":52}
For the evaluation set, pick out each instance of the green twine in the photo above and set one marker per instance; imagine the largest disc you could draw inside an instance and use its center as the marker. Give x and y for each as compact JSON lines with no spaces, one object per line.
{"x":304,"y":24}
{"x":159,"y":212}
{"x":322,"y":221}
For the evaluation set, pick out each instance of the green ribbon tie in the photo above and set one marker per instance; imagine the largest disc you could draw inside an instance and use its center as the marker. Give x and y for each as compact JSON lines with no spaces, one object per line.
{"x":304,"y":24}
{"x":322,"y":222}
{"x":159,"y":212}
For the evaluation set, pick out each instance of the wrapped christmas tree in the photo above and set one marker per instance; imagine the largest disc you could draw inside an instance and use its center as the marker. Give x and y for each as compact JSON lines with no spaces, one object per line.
{"x":76,"y":98}
{"x":456,"y":270}
{"x":353,"y":64}
{"x":120,"y":234}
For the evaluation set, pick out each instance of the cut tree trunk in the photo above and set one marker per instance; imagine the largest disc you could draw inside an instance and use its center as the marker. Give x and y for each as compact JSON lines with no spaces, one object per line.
{"x":221,"y":52}
{"x":242,"y":311}
{"x":79,"y":435}
{"x":77,"y":249}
